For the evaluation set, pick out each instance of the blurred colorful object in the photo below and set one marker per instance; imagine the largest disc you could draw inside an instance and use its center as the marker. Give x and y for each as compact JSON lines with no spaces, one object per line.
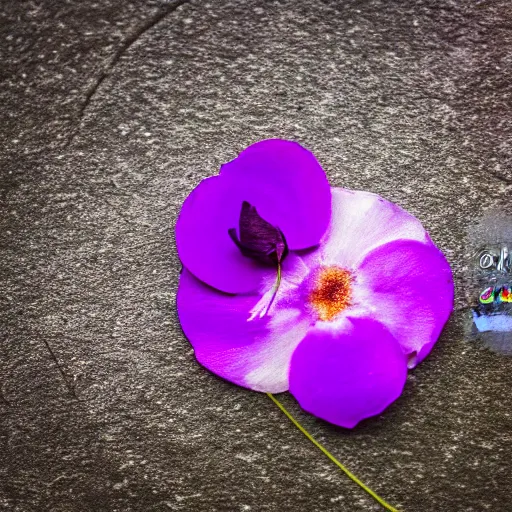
{"x":489,"y":283}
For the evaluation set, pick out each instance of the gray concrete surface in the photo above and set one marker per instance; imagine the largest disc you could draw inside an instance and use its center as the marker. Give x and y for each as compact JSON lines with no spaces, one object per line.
{"x":111,"y":112}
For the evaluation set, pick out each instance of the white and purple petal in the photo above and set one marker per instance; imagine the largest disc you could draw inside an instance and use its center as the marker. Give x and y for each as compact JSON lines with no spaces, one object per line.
{"x":362,"y":221}
{"x":232,"y":336}
{"x":408,"y":286}
{"x":401,"y":278}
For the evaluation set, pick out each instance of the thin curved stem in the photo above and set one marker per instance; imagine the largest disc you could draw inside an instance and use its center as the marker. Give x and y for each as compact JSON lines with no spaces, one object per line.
{"x":324,"y":450}
{"x":276,"y":287}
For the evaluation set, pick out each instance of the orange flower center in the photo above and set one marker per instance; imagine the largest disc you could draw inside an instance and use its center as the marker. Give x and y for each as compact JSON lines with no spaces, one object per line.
{"x":332,"y":292}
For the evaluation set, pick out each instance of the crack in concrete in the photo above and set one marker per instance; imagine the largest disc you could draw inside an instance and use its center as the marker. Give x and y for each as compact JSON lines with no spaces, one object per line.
{"x":70,"y":387}
{"x":127,"y":43}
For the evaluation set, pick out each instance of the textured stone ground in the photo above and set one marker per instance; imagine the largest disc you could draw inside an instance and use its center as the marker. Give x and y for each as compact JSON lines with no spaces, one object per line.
{"x":111,"y":112}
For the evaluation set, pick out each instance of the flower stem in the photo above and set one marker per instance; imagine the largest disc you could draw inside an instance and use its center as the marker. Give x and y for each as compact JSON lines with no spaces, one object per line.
{"x":324,"y":450}
{"x":276,"y":287}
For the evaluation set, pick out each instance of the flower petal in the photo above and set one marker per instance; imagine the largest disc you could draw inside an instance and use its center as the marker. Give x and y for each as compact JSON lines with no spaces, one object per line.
{"x":204,"y":245}
{"x":288,"y":188}
{"x":362,"y":221}
{"x":235,"y":343}
{"x":344,"y":375}
{"x":408,"y":286}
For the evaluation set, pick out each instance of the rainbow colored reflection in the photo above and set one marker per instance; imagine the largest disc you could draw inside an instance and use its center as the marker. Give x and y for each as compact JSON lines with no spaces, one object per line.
{"x":505,"y":294}
{"x":487,"y":296}
{"x":496,"y":294}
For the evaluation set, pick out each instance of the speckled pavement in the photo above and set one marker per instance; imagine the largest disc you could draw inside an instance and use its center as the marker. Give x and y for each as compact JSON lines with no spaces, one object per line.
{"x":111,"y":112}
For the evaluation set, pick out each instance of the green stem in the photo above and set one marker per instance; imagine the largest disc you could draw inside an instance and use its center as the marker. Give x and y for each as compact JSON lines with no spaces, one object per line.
{"x":276,"y":287}
{"x":324,"y":450}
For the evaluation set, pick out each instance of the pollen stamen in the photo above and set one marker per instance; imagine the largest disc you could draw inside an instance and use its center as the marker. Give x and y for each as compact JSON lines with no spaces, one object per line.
{"x":332,"y":292}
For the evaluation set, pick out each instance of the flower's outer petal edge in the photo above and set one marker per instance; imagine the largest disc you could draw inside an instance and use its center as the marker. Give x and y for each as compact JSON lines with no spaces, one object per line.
{"x":407,"y":286}
{"x":346,"y":375}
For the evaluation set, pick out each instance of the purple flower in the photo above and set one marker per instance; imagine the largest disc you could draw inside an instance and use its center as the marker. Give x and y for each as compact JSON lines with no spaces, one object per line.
{"x":289,"y":284}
